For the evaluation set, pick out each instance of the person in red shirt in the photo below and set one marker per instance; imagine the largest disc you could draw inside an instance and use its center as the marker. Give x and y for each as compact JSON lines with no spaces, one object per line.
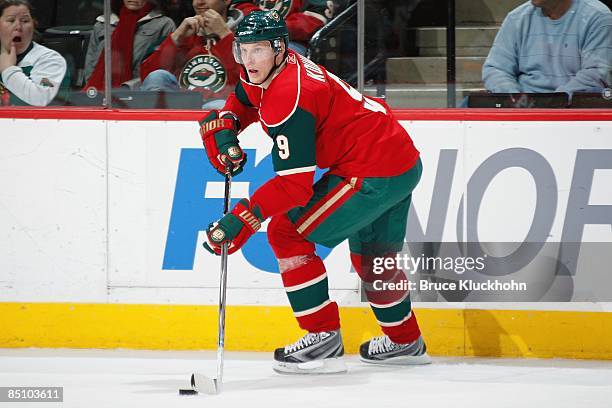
{"x":317,"y":120}
{"x":197,"y":56}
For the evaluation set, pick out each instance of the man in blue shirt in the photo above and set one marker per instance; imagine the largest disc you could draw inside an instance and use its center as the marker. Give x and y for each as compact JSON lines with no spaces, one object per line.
{"x":552,"y":46}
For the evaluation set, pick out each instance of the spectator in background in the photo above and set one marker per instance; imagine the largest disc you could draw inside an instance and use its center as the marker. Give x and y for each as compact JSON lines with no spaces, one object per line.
{"x":198,"y":55}
{"x":138,"y":27}
{"x":303,"y":18}
{"x":552,"y":46}
{"x":29,"y":72}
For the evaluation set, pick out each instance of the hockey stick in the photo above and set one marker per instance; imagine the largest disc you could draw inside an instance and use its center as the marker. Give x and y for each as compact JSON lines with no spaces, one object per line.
{"x":200,"y":382}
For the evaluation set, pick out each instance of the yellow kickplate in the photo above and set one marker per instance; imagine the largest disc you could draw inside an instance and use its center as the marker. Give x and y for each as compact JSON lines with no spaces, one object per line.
{"x":448,"y":332}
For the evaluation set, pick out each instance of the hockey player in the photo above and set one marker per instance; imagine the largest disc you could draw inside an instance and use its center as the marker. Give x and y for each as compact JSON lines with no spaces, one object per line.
{"x":316,"y":119}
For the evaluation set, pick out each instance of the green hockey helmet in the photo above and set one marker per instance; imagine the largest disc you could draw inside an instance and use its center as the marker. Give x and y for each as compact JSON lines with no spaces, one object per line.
{"x":264,"y":25}
{"x":261,"y":26}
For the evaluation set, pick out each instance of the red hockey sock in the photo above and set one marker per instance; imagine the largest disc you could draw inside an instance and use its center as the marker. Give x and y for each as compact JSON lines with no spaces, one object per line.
{"x":304,"y":277}
{"x":392,"y":308}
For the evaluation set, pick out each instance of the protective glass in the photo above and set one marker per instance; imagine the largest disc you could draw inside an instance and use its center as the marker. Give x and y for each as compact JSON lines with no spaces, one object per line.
{"x":254,"y":52}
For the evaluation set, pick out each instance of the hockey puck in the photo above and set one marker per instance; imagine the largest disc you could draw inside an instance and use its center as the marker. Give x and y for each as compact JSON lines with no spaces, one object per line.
{"x":189,"y":391}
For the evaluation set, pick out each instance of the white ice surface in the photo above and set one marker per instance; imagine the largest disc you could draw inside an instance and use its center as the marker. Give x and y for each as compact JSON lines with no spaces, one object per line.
{"x":123,"y":378}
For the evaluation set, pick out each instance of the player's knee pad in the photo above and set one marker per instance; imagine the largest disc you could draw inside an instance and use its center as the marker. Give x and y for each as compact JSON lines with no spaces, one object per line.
{"x":294,"y":262}
{"x":285,"y":240}
{"x":370,"y":268}
{"x":383,"y":284}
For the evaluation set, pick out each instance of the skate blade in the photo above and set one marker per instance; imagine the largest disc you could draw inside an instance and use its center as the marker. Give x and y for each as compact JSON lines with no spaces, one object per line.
{"x":204,"y":384}
{"x":401,"y":360}
{"x":326,"y":366}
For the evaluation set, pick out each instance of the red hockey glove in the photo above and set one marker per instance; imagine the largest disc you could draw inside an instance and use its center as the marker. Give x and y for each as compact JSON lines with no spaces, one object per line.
{"x":220,"y":137}
{"x":235,"y":228}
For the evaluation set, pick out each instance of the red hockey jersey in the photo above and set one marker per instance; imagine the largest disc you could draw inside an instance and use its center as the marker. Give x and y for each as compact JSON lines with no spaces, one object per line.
{"x":316,"y":119}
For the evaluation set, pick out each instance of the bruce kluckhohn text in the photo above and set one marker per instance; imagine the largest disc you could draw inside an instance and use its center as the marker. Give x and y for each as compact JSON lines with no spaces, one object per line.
{"x":490,"y":285}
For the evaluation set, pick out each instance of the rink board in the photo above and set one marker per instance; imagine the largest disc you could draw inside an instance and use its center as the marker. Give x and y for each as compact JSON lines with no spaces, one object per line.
{"x":103,"y":211}
{"x":449,"y":332}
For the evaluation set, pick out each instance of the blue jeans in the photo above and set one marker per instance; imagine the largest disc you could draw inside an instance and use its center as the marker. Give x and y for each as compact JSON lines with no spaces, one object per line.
{"x":162,"y":80}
